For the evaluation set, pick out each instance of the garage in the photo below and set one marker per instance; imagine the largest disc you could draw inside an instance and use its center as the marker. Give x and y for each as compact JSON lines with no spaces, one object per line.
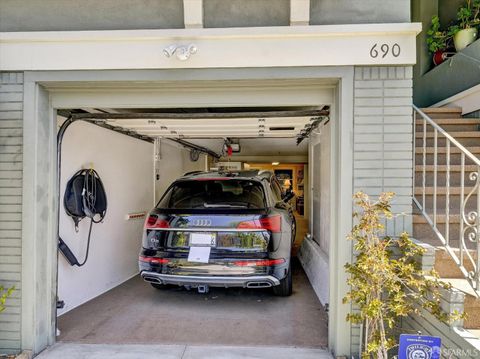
{"x":138,"y":153}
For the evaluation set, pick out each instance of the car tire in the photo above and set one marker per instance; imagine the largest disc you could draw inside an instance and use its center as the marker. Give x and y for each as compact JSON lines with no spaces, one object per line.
{"x":284,"y":289}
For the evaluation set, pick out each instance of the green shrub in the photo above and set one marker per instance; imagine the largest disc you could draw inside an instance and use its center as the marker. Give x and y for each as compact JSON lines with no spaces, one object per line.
{"x":387,"y":284}
{"x":4,"y":294}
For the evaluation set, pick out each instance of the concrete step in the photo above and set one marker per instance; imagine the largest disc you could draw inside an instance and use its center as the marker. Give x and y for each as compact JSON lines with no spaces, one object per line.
{"x":453,"y":191}
{"x":453,"y":150}
{"x":451,"y":124}
{"x":455,"y":134}
{"x":441,"y":112}
{"x":423,"y":232}
{"x":445,"y":265}
{"x":443,"y":168}
{"x":454,"y":203}
{"x":455,"y":179}
{"x":466,"y":138}
{"x":455,"y":156}
{"x":471,"y":304}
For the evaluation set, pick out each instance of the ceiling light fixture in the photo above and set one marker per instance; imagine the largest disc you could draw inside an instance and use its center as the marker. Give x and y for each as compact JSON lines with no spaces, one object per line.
{"x":275,"y":163}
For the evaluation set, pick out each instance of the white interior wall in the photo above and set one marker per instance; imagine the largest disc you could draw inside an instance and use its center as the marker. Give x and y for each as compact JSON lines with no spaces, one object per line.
{"x":314,"y":254}
{"x":173,"y":162}
{"x":126,"y":168}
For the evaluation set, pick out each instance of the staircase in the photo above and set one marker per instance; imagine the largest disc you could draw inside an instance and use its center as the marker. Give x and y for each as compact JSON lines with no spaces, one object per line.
{"x":446,"y":188}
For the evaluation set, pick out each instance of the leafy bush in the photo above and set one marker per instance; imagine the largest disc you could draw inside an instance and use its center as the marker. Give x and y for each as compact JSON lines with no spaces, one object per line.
{"x":436,"y":38}
{"x":4,"y":294}
{"x":386,"y":281}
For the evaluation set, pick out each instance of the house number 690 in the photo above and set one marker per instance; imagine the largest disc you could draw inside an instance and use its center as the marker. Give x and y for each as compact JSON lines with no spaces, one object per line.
{"x":384,"y":49}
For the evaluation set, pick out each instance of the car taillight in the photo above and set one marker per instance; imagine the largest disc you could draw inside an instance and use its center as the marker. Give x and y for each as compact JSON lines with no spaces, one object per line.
{"x":272,"y":224}
{"x":153,"y":260}
{"x":154,"y":222}
{"x":259,"y":263}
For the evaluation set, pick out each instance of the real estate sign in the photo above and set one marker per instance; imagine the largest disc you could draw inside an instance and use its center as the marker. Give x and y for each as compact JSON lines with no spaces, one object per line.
{"x":419,"y":347}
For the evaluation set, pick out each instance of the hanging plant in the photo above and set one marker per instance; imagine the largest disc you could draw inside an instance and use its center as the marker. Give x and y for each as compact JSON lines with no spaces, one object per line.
{"x":386,"y":282}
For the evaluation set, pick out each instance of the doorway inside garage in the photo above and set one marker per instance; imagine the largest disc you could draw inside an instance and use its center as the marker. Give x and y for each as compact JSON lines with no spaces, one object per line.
{"x":139,"y":153}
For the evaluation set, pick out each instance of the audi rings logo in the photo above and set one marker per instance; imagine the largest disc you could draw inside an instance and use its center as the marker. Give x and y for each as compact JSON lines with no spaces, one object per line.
{"x":202,"y":222}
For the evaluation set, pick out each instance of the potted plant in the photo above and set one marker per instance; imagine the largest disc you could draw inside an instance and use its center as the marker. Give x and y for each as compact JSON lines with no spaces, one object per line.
{"x":465,"y":31}
{"x":438,"y":42}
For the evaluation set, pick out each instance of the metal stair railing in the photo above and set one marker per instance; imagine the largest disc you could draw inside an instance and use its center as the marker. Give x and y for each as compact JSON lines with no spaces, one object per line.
{"x":469,"y":219}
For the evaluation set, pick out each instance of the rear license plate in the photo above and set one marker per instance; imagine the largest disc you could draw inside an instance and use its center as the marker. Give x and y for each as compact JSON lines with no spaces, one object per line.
{"x":203,"y":239}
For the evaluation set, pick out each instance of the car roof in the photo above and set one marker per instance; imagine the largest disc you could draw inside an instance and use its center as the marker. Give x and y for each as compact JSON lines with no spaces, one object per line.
{"x":244,"y":174}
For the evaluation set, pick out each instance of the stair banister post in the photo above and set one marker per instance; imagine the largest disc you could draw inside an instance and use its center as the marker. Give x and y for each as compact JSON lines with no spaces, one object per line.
{"x":447,"y":194}
{"x":435,"y":149}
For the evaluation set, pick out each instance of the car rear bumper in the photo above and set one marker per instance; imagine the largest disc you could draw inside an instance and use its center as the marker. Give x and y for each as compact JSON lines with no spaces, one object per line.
{"x":259,"y":281}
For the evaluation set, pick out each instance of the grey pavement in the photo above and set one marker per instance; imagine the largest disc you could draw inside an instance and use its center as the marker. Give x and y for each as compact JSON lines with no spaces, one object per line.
{"x":134,"y":351}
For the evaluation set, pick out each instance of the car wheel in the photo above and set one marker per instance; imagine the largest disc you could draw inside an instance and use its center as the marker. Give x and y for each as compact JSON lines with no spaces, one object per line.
{"x":284,"y":289}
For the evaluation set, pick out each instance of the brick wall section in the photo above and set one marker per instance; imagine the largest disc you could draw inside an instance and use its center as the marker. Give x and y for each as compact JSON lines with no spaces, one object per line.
{"x":11,"y":118}
{"x":383,"y":125}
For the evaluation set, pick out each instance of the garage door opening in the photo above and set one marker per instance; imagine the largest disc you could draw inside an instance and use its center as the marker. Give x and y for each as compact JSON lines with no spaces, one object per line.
{"x":139,"y":153}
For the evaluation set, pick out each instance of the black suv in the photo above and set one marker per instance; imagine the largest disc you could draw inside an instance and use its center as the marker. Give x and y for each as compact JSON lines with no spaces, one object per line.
{"x":223,"y":230}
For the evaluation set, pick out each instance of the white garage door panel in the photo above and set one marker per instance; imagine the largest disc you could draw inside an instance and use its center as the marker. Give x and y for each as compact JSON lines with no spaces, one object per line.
{"x":194,"y":97}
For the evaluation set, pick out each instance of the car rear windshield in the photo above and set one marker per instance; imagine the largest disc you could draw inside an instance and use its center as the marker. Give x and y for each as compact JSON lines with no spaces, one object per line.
{"x":219,"y":193}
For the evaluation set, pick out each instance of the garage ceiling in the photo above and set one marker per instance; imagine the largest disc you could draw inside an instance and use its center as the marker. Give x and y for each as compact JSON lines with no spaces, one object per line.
{"x":263,"y":131}
{"x":215,"y":127}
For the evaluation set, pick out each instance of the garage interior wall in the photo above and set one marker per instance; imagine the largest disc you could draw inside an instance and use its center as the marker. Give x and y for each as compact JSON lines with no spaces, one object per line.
{"x":173,"y":162}
{"x":126,"y":168}
{"x":314,"y":252}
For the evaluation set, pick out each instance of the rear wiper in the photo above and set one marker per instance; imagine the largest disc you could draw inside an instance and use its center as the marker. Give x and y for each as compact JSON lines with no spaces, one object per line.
{"x":225,"y":205}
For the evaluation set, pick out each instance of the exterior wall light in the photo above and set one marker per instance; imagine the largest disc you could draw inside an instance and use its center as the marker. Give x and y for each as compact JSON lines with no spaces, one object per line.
{"x":182,"y":52}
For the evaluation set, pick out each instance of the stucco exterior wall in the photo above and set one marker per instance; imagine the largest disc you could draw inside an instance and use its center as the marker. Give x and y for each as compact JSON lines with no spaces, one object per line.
{"x":242,"y":13}
{"x":323,"y":12}
{"x":70,"y":15}
{"x":11,"y":98}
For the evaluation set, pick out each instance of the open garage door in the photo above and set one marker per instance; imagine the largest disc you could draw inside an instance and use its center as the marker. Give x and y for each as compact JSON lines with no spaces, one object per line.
{"x":226,"y":152}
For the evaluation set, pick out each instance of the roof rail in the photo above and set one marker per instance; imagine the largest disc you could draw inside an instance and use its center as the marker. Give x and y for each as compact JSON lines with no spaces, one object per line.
{"x":192,"y":173}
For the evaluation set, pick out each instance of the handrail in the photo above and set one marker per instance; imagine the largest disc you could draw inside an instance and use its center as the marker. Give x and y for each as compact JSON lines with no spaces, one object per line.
{"x":469,"y":231}
{"x":447,"y":135}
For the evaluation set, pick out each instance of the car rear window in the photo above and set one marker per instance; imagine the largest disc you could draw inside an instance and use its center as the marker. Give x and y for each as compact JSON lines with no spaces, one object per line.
{"x":228,"y":193}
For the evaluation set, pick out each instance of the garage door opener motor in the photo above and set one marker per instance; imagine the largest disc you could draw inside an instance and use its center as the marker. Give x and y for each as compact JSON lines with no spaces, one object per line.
{"x":84,"y":197}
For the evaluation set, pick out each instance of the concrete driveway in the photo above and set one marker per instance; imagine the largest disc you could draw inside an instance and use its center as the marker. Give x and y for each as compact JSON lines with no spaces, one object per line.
{"x":131,"y":351}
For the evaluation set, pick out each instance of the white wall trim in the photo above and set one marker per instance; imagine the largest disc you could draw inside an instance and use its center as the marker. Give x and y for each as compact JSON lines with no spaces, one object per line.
{"x":299,"y":12}
{"x":318,"y":45}
{"x":193,"y":14}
